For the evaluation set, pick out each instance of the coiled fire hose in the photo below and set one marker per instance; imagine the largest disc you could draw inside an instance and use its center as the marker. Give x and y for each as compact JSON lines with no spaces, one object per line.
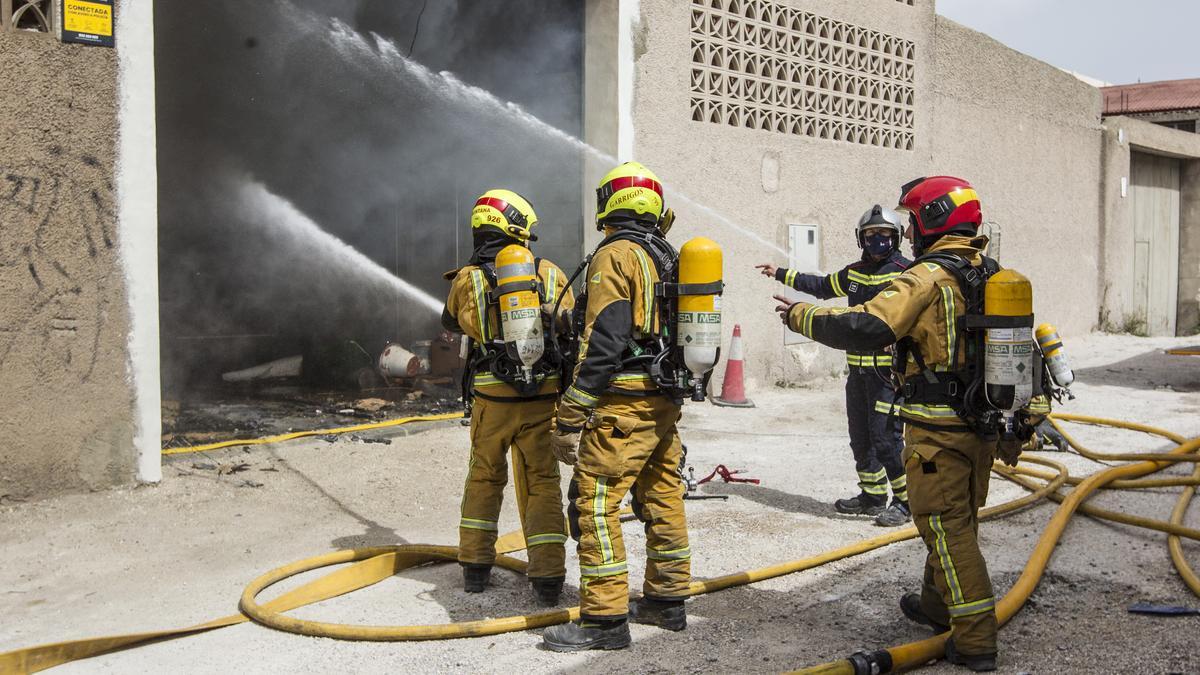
{"x":374,"y":564}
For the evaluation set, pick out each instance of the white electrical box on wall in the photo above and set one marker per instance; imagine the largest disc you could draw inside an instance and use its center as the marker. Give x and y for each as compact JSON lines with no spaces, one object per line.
{"x":804,"y":255}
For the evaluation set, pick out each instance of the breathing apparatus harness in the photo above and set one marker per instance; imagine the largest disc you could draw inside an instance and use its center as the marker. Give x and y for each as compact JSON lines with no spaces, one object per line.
{"x":964,"y":389}
{"x":493,"y":356}
{"x":657,"y":355}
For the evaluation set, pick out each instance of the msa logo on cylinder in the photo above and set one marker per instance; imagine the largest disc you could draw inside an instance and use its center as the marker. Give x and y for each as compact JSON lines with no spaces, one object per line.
{"x":699,"y":329}
{"x":518,"y":314}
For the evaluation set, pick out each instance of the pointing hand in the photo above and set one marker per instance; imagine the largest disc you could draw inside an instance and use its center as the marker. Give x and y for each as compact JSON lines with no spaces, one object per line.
{"x":782,"y":307}
{"x":767,"y":269}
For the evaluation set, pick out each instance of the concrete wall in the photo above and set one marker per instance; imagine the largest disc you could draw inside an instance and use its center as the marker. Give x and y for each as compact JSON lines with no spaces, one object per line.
{"x":1122,"y":137}
{"x":763,"y":181}
{"x":1187,"y":320}
{"x":601,"y":104}
{"x":68,"y":401}
{"x":1025,"y":133}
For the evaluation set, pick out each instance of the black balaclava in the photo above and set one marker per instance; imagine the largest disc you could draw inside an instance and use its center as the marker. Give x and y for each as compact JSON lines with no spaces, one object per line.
{"x":920,"y":243}
{"x":488,"y":244}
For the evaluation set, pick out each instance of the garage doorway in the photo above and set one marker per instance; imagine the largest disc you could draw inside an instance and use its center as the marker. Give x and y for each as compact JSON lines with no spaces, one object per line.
{"x":1154,"y":193}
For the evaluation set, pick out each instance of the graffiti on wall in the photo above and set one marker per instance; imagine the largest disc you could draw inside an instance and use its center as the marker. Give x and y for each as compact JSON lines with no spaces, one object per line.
{"x":57,"y":261}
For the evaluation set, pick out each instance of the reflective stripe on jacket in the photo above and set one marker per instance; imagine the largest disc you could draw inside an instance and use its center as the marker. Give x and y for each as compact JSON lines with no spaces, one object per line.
{"x":858,"y":282}
{"x":468,"y":312}
{"x":620,"y":310}
{"x":924,"y":303}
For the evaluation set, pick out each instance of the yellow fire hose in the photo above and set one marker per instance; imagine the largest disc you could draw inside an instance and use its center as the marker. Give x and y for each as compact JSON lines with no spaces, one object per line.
{"x":375,"y":564}
{"x":1174,"y":547}
{"x":312,"y":432}
{"x":425,"y":554}
{"x":1089,"y":510}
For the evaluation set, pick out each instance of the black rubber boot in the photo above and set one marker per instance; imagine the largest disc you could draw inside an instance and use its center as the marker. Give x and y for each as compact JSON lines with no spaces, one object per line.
{"x":585,"y":634}
{"x":547,"y":589}
{"x":980,"y":663}
{"x":476,"y":577}
{"x":863,"y":505}
{"x":895,"y":515}
{"x":910,"y":604}
{"x":666,"y":614}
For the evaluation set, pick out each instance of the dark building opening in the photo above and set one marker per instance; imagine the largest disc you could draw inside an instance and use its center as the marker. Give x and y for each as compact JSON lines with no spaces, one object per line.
{"x":278,"y":121}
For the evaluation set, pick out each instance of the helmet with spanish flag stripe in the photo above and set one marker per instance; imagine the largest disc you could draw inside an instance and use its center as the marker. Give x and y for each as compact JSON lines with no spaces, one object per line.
{"x":941,"y":205}
{"x":505,"y":211}
{"x":629,"y":194}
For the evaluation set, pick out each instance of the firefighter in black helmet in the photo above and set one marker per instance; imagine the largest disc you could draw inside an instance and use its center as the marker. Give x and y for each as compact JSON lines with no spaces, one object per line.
{"x":875,"y":438}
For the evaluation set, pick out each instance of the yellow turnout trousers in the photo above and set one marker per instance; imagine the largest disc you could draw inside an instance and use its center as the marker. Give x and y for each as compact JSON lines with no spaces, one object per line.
{"x":629,"y":443}
{"x":523,"y":427}
{"x":948,"y":473}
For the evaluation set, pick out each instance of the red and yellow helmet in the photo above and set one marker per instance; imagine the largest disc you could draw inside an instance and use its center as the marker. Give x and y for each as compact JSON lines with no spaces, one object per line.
{"x":507,"y":212}
{"x":630,"y":191}
{"x":941,"y":205}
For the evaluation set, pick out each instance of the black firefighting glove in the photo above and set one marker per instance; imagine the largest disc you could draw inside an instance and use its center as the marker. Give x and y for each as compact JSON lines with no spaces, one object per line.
{"x":1013,"y":441}
{"x":1009,"y":449}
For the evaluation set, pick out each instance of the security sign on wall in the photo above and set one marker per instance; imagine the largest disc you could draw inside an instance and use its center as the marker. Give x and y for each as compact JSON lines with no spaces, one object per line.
{"x":88,"y":22}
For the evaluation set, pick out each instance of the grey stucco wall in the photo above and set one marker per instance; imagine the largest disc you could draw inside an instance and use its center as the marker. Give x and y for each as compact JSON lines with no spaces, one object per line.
{"x":809,"y":181}
{"x":67,"y":419}
{"x":1025,"y":134}
{"x":1187,"y":320}
{"x":1116,"y":229}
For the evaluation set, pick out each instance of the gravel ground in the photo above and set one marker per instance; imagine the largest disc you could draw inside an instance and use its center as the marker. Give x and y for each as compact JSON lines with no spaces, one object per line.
{"x":180,"y":552}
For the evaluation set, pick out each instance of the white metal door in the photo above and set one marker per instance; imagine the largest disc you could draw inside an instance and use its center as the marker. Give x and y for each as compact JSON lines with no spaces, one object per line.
{"x":1154,"y":190}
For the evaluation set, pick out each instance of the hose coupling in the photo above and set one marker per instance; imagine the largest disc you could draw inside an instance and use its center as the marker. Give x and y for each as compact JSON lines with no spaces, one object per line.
{"x":871,"y":663}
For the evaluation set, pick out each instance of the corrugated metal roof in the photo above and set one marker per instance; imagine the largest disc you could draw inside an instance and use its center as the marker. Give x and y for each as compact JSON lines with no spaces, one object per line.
{"x":1152,"y":97}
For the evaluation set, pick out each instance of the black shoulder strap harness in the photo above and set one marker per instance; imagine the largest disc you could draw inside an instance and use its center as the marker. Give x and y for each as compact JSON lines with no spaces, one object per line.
{"x":653,"y":354}
{"x":958,"y":388}
{"x":494,"y":357}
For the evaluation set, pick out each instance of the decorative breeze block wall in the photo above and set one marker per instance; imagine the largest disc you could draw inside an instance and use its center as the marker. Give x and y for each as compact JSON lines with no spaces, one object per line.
{"x":763,"y":65}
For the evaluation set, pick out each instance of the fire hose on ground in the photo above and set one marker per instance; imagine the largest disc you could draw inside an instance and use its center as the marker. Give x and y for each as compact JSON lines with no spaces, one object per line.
{"x":374,"y":564}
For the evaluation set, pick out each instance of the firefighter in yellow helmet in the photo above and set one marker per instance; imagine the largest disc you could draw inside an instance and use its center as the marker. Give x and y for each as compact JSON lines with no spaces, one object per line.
{"x":511,"y":403}
{"x":953,"y":430}
{"x":616,"y":425}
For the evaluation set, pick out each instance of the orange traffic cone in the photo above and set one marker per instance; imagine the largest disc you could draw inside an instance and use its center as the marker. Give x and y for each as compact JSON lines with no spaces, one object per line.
{"x":733,"y":389}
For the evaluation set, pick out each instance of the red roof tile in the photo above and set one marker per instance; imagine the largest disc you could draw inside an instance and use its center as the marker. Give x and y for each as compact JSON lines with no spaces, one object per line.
{"x":1152,"y":97}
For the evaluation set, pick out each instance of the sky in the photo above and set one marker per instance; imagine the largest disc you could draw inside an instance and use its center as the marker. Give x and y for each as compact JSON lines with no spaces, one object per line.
{"x":1118,"y":41}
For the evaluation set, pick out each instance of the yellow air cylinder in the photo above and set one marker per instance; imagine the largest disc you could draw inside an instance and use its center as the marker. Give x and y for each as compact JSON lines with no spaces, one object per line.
{"x":520,"y":307}
{"x":1054,"y":355}
{"x":698,"y":323}
{"x":1008,"y":347}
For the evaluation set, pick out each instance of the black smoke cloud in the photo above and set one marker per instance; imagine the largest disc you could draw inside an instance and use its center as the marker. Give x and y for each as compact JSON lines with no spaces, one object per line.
{"x":277,"y":93}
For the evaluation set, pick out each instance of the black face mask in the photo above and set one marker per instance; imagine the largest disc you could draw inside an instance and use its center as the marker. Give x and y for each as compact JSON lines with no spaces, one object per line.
{"x":878,"y":245}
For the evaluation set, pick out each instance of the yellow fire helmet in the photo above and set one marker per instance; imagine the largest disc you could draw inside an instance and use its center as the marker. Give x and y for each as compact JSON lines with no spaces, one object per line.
{"x":506,"y":211}
{"x":629,"y":191}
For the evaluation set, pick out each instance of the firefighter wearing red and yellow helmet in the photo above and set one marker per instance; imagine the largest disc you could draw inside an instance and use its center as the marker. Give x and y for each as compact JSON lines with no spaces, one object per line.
{"x":500,"y":302}
{"x":958,"y":409}
{"x":616,"y":422}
